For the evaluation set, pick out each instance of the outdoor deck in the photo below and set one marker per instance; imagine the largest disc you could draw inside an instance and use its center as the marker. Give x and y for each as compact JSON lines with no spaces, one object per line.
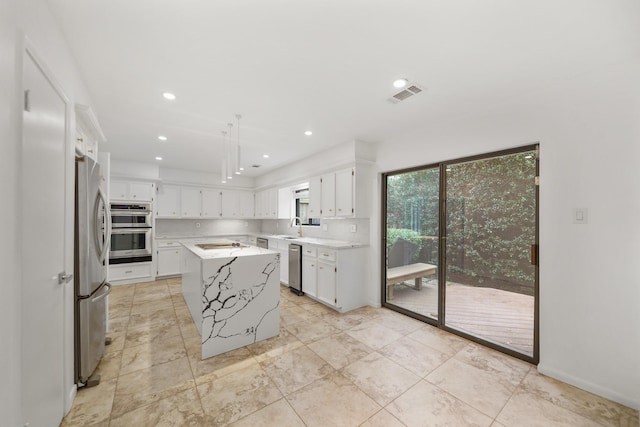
{"x":503,"y":317}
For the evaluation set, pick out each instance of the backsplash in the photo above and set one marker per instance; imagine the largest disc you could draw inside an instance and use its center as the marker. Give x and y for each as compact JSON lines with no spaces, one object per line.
{"x":337,"y":229}
{"x":208,"y":227}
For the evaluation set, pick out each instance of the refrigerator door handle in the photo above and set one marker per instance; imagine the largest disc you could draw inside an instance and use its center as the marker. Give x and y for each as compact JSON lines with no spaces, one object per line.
{"x":106,"y":292}
{"x":101,"y":247}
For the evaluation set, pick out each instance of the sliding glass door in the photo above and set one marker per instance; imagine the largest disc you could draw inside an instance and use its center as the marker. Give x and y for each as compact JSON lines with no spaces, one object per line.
{"x":412,"y":241}
{"x":461,"y":247}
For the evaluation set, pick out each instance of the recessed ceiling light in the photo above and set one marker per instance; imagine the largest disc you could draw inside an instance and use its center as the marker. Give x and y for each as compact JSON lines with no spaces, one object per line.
{"x":169,"y":96}
{"x":308,"y":133}
{"x":223,"y":181}
{"x":400,"y":83}
{"x":266,"y":156}
{"x":241,"y":169}
{"x":158,"y":158}
{"x":162,"y":138}
{"x":237,"y":172}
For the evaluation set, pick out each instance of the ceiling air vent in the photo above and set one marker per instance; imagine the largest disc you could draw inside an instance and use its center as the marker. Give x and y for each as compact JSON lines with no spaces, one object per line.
{"x":255,"y":166}
{"x":413,"y":89}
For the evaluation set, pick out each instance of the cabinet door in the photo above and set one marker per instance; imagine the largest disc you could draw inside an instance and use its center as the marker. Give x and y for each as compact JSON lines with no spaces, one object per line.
{"x":309,"y":271}
{"x":142,"y":191}
{"x":262,"y":206}
{"x":272,"y":203}
{"x":344,"y":193}
{"x":326,"y":284}
{"x":211,"y":203}
{"x":315,"y":197}
{"x":190,"y":202}
{"x":285,"y":203}
{"x":284,"y":266}
{"x":230,"y":204}
{"x":246,"y":204}
{"x":168,"y":261}
{"x":119,"y":190}
{"x":168,"y":203}
{"x":328,"y":195}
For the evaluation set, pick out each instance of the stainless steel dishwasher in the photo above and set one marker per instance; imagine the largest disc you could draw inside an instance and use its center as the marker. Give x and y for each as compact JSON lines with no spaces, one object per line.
{"x":295,"y":269}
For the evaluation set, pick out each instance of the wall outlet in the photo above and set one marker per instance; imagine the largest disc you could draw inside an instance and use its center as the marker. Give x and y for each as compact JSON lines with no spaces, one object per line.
{"x":197,"y":225}
{"x":353,"y":228}
{"x":246,"y":224}
{"x":325,"y":227}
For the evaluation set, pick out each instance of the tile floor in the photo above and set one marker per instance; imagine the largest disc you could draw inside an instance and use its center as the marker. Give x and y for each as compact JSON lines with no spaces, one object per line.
{"x":370,"y":367}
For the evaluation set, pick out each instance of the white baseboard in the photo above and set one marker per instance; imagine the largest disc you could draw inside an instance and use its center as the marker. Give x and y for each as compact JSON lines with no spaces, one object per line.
{"x":588,"y":386}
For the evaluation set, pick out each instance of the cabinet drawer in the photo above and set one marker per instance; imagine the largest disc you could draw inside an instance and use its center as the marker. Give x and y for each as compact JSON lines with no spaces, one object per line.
{"x":326,"y":255}
{"x":131,"y":271}
{"x":310,"y":251}
{"x":167,"y":244}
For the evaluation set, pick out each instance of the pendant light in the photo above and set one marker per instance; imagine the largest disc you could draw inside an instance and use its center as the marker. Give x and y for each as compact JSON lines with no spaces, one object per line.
{"x":229,"y":153}
{"x":223,"y":168}
{"x":237,"y":163}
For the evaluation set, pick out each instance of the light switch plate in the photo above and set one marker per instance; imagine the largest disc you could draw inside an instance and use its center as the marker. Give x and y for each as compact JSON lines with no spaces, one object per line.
{"x":325,"y":227}
{"x":580,"y":215}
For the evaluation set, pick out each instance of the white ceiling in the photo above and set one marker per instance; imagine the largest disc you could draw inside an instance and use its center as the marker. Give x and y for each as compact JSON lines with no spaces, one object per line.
{"x":323,"y":65}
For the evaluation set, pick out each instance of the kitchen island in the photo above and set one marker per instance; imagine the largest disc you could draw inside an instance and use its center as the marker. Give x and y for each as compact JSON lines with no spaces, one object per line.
{"x":232,"y":291}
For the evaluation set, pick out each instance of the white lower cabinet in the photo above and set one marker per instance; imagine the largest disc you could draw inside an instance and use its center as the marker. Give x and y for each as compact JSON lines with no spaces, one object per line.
{"x":327,"y":283}
{"x":335,"y":277}
{"x":309,"y":272}
{"x":283,"y":248}
{"x":168,"y":261}
{"x":130,"y":271}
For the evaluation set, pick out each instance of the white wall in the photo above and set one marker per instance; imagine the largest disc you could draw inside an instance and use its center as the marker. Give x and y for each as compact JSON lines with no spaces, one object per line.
{"x":589,"y":131}
{"x":20,"y":19}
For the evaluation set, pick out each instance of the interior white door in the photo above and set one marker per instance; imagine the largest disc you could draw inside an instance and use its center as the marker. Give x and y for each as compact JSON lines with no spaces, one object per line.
{"x":43,"y":235}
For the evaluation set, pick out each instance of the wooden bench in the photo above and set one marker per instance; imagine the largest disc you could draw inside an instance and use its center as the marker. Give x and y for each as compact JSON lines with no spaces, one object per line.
{"x":407,"y":272}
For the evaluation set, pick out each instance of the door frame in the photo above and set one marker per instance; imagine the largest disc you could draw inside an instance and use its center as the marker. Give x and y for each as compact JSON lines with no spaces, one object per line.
{"x":535,"y":146}
{"x":30,"y":50}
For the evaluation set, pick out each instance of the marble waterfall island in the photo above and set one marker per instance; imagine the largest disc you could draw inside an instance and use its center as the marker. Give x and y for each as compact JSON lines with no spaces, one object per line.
{"x":233,"y":293}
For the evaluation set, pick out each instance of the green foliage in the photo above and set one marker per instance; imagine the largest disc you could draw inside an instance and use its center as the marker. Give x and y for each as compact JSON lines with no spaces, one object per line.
{"x":490,"y":215}
{"x":393,"y":234}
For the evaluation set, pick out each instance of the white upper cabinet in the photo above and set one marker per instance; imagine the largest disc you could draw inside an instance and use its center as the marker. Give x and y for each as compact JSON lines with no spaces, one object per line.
{"x":211,"y":204}
{"x":132,"y":190}
{"x":119,"y":190}
{"x":285,"y":203}
{"x":246,"y":204}
{"x":335,"y":194}
{"x":267,"y":203}
{"x":168,"y":203}
{"x":88,"y":132}
{"x":181,"y":201}
{"x":344,"y":192}
{"x":230,"y":204}
{"x":237,"y":204}
{"x":315,"y":197}
{"x":191,"y":202}
{"x":328,"y":195}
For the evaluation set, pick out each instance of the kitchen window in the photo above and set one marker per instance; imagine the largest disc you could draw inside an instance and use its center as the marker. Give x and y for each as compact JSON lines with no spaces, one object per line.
{"x":302,"y":208}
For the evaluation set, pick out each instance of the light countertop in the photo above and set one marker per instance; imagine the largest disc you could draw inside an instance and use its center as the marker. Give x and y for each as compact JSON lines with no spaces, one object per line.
{"x":244,"y":250}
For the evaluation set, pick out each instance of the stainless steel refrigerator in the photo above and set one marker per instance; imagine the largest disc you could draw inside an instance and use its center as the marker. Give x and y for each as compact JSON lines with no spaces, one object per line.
{"x":92,"y":234}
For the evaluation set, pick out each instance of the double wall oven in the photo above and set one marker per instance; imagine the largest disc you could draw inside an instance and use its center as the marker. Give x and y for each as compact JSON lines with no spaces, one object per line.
{"x":130,"y":233}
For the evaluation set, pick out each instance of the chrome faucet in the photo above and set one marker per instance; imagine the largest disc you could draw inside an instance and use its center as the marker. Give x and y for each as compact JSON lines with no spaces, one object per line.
{"x":293,"y":220}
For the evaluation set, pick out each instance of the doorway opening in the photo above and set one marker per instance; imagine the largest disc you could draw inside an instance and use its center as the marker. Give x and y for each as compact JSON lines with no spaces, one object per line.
{"x":460,"y":245}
